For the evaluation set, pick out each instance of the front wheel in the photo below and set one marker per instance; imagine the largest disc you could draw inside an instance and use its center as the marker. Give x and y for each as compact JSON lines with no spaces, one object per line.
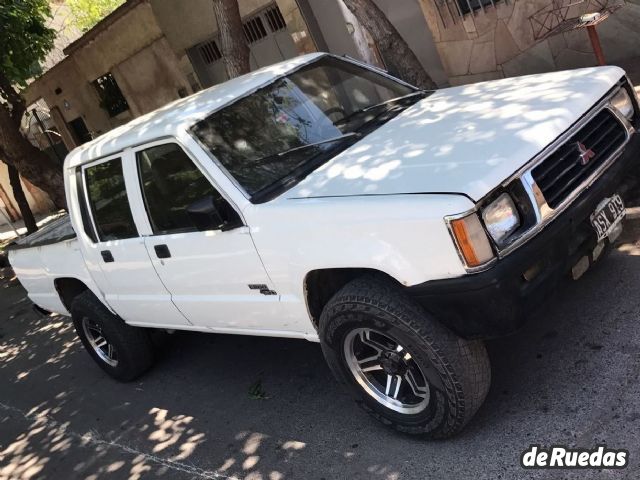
{"x":402,"y":366}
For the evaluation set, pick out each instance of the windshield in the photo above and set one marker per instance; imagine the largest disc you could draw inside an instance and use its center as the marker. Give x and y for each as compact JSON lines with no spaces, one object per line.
{"x":272,"y":138}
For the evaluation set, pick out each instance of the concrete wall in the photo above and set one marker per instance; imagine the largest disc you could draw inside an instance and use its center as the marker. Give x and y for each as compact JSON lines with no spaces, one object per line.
{"x":333,"y":27}
{"x":118,"y":41}
{"x":134,"y":50}
{"x":188,"y":23}
{"x":150,"y":78}
{"x":620,"y":37}
{"x":501,"y":42}
{"x":414,"y":29}
{"x":297,"y":27}
{"x":197,"y":24}
{"x":38,"y":200}
{"x":343,"y":36}
{"x":78,"y":98}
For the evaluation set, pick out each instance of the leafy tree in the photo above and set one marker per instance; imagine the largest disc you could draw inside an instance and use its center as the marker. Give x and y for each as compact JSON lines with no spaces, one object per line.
{"x":86,"y":13}
{"x":396,"y":53}
{"x":25,"y":41}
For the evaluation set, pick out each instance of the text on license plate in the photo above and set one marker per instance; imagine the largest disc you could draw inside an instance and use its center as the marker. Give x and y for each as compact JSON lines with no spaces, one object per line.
{"x":608,"y":214}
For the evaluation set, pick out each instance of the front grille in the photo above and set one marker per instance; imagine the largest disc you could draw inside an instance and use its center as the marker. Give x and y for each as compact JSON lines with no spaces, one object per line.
{"x":566,"y":168}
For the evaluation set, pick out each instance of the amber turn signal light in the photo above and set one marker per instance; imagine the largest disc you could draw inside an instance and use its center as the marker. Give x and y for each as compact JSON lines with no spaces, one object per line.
{"x":471,"y":240}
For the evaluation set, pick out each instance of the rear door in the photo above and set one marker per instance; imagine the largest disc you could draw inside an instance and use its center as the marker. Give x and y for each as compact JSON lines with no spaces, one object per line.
{"x":116,"y":255}
{"x":213,"y":272}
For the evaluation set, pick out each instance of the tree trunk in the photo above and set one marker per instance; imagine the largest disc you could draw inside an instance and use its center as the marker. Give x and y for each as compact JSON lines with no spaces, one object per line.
{"x":398,"y":57}
{"x":32,"y":164}
{"x":21,"y":200}
{"x":233,"y":43}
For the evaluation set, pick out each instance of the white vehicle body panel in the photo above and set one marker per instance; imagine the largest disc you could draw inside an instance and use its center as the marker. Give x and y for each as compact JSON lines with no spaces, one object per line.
{"x":378,"y":205}
{"x":130,"y":284}
{"x":38,"y":267}
{"x":403,"y":236}
{"x":465,"y":139}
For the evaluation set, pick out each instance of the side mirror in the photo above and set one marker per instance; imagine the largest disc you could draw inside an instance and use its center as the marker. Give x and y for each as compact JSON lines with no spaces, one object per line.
{"x":205,"y":215}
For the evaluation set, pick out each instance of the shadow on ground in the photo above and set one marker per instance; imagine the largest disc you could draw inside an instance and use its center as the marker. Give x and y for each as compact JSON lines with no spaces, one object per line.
{"x":259,"y":408}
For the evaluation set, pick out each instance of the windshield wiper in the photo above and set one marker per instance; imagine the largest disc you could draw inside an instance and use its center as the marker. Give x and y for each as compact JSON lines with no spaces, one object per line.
{"x":386,"y":103}
{"x":299,"y":172}
{"x":391,"y":100}
{"x":321,"y":142}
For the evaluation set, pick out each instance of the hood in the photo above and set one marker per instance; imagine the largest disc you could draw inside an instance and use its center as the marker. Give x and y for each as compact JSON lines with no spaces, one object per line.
{"x":463,"y":140}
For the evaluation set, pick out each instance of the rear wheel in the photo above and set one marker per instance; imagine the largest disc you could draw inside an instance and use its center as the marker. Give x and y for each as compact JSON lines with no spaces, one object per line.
{"x":402,"y":366}
{"x":123,"y":351}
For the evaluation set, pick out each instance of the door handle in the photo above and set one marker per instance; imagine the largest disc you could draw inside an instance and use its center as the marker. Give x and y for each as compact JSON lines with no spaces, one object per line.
{"x":162,"y":251}
{"x":107,"y":256}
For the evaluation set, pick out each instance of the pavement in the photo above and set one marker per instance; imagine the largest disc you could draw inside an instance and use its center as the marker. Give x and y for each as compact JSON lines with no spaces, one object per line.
{"x":223,"y":407}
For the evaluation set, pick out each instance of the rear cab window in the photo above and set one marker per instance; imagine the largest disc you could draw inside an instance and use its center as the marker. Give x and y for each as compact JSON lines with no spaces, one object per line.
{"x":108,"y":201}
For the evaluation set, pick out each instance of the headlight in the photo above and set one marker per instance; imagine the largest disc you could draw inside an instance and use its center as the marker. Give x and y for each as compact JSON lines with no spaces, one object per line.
{"x":471,"y":240}
{"x":621,"y":101}
{"x":501,"y":218}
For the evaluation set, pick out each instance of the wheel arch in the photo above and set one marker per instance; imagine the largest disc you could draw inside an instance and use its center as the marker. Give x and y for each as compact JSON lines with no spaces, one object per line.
{"x":322,"y":284}
{"x":68,"y":288}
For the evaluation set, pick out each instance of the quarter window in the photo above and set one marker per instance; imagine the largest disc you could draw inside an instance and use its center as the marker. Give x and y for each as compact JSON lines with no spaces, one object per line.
{"x":108,"y":201}
{"x":170,"y":184}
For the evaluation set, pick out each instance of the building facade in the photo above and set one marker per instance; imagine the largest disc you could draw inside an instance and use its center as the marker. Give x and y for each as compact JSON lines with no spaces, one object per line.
{"x":150,"y":52}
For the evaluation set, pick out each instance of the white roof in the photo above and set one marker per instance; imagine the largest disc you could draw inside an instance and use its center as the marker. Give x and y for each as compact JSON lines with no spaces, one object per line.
{"x":181,"y":114}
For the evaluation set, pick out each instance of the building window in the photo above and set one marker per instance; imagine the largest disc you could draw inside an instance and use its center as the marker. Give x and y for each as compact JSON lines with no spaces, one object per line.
{"x":79,"y":131}
{"x":111,"y":98}
{"x":210,"y":52}
{"x":275,"y":19}
{"x":254,"y":30}
{"x":468,"y":6}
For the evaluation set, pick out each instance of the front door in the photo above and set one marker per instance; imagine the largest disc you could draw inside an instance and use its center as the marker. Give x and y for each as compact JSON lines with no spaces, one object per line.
{"x":212,"y":270}
{"x":118,"y":257}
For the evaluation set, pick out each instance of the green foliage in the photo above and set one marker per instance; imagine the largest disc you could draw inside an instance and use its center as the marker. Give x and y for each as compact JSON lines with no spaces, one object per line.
{"x":86,"y":13}
{"x":25,"y":38}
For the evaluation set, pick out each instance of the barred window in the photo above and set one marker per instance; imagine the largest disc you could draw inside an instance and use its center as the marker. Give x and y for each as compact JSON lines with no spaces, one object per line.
{"x":111,"y":97}
{"x":275,"y":19}
{"x":210,"y":52}
{"x":254,"y":30}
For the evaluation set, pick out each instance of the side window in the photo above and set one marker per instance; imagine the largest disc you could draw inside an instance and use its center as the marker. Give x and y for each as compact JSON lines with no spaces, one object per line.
{"x":108,"y":201}
{"x":170,"y":184}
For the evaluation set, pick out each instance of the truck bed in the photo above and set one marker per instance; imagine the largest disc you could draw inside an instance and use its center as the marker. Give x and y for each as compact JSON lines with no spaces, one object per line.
{"x":53,"y":232}
{"x":50,"y":253}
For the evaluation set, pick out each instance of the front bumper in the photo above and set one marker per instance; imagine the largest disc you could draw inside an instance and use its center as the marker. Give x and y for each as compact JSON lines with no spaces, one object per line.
{"x":496,"y":302}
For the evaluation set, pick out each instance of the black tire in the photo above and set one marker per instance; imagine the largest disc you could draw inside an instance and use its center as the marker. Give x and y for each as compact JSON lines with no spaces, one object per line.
{"x":132,"y":345}
{"x":458,"y":370}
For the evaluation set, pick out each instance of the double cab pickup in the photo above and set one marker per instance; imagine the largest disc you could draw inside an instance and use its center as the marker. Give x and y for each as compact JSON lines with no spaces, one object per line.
{"x":324,"y":199}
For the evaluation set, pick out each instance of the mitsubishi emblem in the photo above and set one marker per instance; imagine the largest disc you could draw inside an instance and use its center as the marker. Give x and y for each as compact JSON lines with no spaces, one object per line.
{"x":586,"y":154}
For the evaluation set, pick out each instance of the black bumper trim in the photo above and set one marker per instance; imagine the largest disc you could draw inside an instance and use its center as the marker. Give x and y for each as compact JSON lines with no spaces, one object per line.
{"x":496,"y":302}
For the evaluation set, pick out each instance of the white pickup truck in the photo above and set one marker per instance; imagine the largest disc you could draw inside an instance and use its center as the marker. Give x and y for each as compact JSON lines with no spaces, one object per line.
{"x":323,"y":199}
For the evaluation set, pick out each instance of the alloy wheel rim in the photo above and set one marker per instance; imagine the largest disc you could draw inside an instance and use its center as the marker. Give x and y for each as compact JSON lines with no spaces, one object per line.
{"x":386,"y":371}
{"x":99,"y":343}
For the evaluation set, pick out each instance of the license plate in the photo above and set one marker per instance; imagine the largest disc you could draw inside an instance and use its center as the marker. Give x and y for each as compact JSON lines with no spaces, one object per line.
{"x":607,"y":216}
